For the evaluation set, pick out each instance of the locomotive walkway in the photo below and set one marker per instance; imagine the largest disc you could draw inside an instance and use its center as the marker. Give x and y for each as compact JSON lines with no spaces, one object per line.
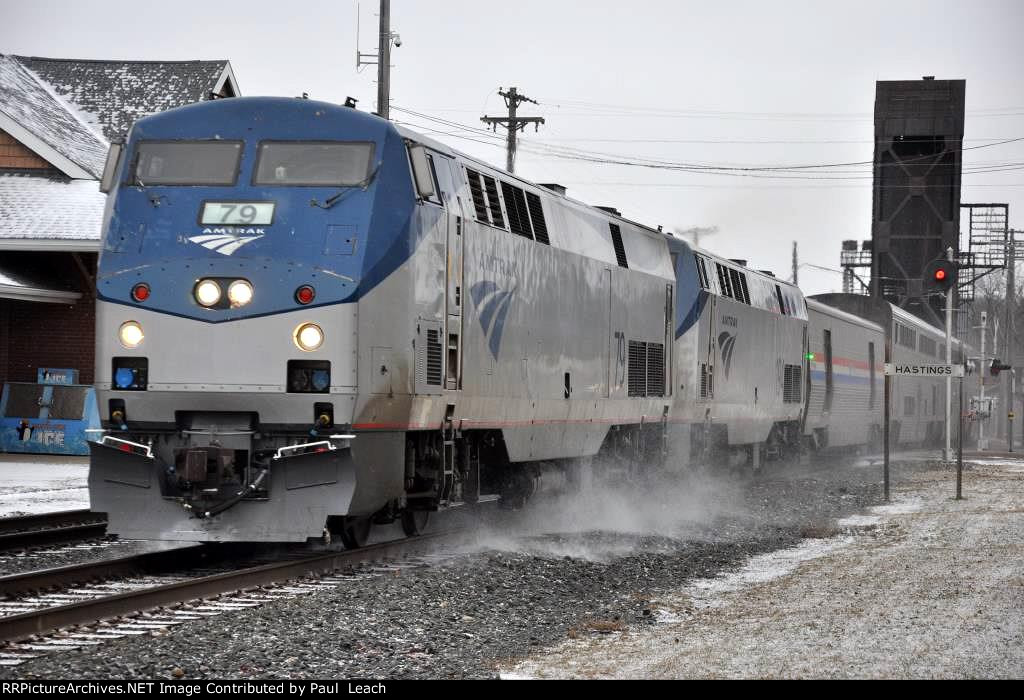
{"x":924,"y":587}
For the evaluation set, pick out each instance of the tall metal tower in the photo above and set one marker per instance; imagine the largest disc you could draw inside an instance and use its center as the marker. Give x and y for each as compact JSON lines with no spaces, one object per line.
{"x":919,"y":130}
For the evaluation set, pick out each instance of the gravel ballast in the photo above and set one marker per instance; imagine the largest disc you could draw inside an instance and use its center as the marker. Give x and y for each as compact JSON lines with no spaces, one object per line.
{"x":536,"y":578}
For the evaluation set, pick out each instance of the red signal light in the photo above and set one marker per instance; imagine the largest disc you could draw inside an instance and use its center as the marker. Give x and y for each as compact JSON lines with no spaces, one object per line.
{"x":140,"y":292}
{"x":305,"y":294}
{"x":940,"y":275}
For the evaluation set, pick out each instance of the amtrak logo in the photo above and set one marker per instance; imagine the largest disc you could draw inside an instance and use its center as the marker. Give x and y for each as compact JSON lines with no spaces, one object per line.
{"x":492,"y":307}
{"x":223,"y":241}
{"x":726,"y":342}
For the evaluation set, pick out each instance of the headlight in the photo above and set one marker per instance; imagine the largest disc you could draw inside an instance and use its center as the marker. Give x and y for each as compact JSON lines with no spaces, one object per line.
{"x":239,"y":293}
{"x":130,"y":334}
{"x":207,"y":292}
{"x":309,"y":337}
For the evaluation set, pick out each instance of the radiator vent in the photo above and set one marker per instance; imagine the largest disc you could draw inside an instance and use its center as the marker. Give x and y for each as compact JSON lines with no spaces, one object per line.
{"x":620,"y":250}
{"x":792,"y":385}
{"x":515,"y":207}
{"x":707,"y":381}
{"x":637,"y":368}
{"x":646,"y":369}
{"x":479,"y":203}
{"x":435,"y":357}
{"x":540,"y":226}
{"x":493,"y":202}
{"x":655,"y":369}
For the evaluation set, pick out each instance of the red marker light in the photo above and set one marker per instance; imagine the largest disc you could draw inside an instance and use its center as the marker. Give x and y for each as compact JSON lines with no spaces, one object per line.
{"x":305,"y":294}
{"x":140,"y":292}
{"x":940,"y":275}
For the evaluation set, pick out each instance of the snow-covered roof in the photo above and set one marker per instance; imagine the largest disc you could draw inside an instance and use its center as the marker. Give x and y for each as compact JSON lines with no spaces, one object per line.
{"x":49,"y":213}
{"x":35,"y":115}
{"x":117,"y":93}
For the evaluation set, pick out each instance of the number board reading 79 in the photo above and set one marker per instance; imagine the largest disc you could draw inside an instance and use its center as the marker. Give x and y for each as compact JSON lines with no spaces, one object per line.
{"x":245,"y":213}
{"x":894,"y":369}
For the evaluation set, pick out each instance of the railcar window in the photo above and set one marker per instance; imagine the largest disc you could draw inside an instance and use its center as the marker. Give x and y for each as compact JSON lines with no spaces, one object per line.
{"x":782,"y":302}
{"x":437,"y":198}
{"x":927,"y":345}
{"x":187,"y":162}
{"x":313,"y":163}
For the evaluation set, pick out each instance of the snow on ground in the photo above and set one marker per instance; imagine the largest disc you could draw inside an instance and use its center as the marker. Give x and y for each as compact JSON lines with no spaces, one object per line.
{"x":1012,"y":465}
{"x":42,"y":483}
{"x":924,"y":587}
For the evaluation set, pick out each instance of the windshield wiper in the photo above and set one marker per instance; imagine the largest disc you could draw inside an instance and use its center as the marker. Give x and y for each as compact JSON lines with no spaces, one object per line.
{"x":362,"y":185}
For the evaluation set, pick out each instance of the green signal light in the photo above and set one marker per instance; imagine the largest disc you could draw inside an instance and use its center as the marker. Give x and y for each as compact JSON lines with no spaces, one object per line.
{"x":810,"y":356}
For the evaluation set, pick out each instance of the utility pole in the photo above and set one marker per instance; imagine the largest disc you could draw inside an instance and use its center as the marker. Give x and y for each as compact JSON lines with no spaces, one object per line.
{"x":947,"y":454}
{"x":1008,"y":346}
{"x":512,"y":123}
{"x":696,"y":232}
{"x":796,"y":265}
{"x":384,"y":61}
{"x":982,"y":444}
{"x":382,"y":58}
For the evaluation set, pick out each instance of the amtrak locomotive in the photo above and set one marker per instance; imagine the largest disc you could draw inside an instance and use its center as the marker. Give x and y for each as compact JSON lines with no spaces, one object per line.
{"x":310,"y":320}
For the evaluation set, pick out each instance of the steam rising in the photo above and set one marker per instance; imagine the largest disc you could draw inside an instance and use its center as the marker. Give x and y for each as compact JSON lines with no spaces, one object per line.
{"x":606,"y":520}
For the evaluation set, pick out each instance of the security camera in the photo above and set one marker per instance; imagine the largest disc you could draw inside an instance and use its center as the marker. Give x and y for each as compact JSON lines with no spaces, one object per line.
{"x":397,"y":39}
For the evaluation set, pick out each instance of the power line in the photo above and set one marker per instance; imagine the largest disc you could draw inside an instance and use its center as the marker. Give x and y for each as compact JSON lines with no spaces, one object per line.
{"x":638,"y":161}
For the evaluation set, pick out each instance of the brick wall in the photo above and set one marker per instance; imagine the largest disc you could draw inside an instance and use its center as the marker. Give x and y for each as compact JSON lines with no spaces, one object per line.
{"x":5,"y":334}
{"x":50,"y":335}
{"x":14,"y":155}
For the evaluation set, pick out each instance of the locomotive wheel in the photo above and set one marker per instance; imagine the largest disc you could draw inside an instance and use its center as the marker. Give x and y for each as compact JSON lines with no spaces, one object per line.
{"x":414,"y":522}
{"x":355,"y":532}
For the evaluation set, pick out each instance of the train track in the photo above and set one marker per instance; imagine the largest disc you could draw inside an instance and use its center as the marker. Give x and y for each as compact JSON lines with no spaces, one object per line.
{"x":83,"y":606}
{"x":33,"y":530}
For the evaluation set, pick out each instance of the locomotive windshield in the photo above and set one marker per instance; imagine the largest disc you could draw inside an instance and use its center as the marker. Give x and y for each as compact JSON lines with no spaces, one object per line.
{"x":187,"y":162}
{"x":313,"y":163}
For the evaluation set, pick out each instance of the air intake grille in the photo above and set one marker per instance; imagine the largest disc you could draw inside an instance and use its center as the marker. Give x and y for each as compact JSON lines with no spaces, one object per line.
{"x":655,"y":369}
{"x":435,"y":355}
{"x":540,"y":226}
{"x":707,"y":381}
{"x":646,"y":369}
{"x":792,"y":387}
{"x":493,"y":202}
{"x":479,"y":203}
{"x":637,"y":368}
{"x":620,"y":250}
{"x":515,"y":206}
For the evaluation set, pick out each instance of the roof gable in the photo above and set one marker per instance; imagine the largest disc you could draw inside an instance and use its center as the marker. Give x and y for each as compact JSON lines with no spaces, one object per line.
{"x":37,"y":117}
{"x":117,"y":93}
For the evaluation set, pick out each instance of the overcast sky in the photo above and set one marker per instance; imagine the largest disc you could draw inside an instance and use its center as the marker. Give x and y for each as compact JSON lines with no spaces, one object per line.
{"x":738,"y":83}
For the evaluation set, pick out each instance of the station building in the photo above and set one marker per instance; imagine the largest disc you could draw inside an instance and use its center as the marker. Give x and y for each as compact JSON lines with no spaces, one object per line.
{"x":57,"y":119}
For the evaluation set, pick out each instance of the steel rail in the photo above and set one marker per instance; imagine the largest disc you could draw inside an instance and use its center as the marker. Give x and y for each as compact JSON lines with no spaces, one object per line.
{"x":75,"y":574}
{"x":38,"y":622}
{"x":29,"y":530}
